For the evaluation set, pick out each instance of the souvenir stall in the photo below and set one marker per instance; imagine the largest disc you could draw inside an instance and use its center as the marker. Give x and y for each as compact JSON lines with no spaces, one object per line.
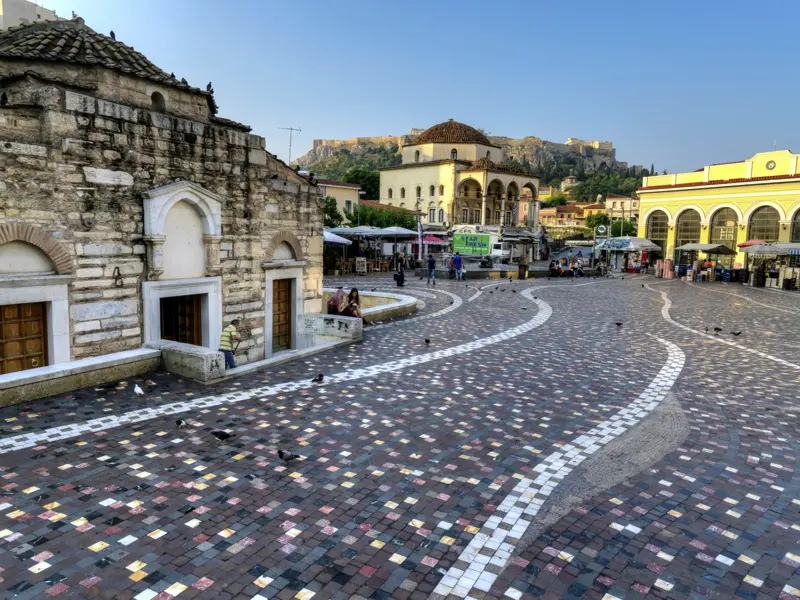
{"x":708,"y":269}
{"x":626,"y":254}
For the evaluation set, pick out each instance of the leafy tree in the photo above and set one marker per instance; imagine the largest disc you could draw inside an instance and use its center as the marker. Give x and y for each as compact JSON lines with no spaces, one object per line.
{"x":331,"y":215}
{"x":557,"y":199}
{"x":383,"y":217}
{"x":623,"y":227}
{"x":370,"y":181}
{"x":652,"y":169}
{"x":595,"y":220}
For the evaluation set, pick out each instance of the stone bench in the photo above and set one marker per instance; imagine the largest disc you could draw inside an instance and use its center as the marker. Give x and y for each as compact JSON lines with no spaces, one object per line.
{"x":195,"y":362}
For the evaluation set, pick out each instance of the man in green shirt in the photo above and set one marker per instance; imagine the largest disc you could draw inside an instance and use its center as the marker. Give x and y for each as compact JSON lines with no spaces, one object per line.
{"x":229,"y":334}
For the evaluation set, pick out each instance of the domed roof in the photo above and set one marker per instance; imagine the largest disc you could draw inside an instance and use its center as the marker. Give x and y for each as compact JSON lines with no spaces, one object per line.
{"x":452,"y":132}
{"x":76,"y":43}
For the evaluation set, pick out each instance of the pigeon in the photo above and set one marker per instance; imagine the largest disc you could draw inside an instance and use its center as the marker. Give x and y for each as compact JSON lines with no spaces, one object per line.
{"x":373,"y":289}
{"x":736,"y":333}
{"x":287,"y":457}
{"x":113,"y":35}
{"x":618,"y":324}
{"x":536,"y":297}
{"x":513,"y":291}
{"x":137,"y":390}
{"x":427,"y":341}
{"x":642,"y":285}
{"x":222,"y":436}
{"x":491,"y":291}
{"x":318,"y":378}
{"x":706,"y":329}
{"x":717,"y":329}
{"x":180,"y":423}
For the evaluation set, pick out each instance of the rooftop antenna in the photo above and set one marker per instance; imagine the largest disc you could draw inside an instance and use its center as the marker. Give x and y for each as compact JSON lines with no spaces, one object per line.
{"x":291,"y":130}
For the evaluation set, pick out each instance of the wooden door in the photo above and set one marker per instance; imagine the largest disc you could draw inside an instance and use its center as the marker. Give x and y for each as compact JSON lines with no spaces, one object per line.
{"x":281,"y":314}
{"x":23,"y":337}
{"x":181,"y":319}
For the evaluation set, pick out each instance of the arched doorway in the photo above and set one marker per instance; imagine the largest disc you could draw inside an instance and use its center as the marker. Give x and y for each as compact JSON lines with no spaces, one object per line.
{"x":724,"y":223}
{"x":469,"y":197}
{"x":512,"y":198}
{"x":764,"y":224}
{"x":687,"y":232}
{"x":494,"y":194}
{"x":796,"y":227}
{"x":657,"y":231}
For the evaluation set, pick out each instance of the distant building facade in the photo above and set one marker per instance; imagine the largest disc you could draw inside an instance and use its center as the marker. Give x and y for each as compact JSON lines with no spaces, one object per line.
{"x":618,"y":206}
{"x":453,"y":174}
{"x":21,"y":12}
{"x":346,"y":194}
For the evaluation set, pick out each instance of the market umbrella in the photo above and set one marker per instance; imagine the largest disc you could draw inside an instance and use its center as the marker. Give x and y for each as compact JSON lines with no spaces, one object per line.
{"x":751,"y":243}
{"x":432,"y":239}
{"x":766,"y":250}
{"x":397,"y":232}
{"x":332,"y":238}
{"x":707,"y":248}
{"x":627,"y":244}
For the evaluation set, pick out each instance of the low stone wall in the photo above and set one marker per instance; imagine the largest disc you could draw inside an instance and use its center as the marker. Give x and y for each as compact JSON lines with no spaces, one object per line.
{"x":88,"y":372}
{"x":195,"y":362}
{"x":317,"y":329}
{"x":382,"y":305}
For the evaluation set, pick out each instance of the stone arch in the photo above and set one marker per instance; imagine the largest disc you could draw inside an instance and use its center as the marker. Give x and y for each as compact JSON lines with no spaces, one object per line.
{"x":284,"y":236}
{"x":22,"y":232}
{"x":762,"y":204}
{"x":531,"y":189}
{"x":666,"y":211}
{"x":694,"y":207}
{"x":198,"y":203}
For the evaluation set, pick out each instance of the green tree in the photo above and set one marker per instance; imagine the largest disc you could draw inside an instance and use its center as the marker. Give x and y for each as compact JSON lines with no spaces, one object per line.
{"x":383,"y":217}
{"x":369,"y":180}
{"x":623,"y":227}
{"x":557,"y":199}
{"x":331,"y":215}
{"x":593,"y":221}
{"x":652,"y":169}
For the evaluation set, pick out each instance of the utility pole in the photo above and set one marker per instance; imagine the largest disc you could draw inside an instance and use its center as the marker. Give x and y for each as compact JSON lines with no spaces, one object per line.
{"x":290,"y":130}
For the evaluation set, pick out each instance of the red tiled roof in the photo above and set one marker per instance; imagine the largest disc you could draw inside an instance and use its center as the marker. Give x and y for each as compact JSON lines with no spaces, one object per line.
{"x":335,"y":183}
{"x":718,"y":182}
{"x":452,"y":132}
{"x":379,"y":206}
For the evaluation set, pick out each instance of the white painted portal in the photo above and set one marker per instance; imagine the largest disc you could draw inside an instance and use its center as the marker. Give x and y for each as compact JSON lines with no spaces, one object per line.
{"x":51,"y":289}
{"x":22,"y":257}
{"x":210,"y":306}
{"x":282,"y":270}
{"x":184,"y":254}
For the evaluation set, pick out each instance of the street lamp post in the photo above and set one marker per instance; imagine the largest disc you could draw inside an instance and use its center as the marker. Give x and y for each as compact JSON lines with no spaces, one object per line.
{"x":358,"y":206}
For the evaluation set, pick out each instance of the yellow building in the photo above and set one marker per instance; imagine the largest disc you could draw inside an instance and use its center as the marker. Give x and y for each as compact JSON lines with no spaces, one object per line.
{"x":622,"y":207}
{"x":727,"y":203}
{"x":452,"y":175}
{"x":346,"y":194}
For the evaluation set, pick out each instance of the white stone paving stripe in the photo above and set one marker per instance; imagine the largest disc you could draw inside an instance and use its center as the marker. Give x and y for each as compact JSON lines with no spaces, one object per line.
{"x":28,"y":440}
{"x":750,"y":300}
{"x":715,"y":338}
{"x":483,"y":287}
{"x":522,"y":504}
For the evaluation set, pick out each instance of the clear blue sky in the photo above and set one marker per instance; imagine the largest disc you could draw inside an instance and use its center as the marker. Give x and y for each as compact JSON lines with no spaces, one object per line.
{"x":681,"y":83}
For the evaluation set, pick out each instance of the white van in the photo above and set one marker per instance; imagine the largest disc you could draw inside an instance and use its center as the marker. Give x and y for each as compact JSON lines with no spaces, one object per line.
{"x":505,"y":251}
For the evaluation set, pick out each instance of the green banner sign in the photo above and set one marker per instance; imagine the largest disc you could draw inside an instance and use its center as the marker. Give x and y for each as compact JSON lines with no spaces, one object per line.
{"x":472,"y":243}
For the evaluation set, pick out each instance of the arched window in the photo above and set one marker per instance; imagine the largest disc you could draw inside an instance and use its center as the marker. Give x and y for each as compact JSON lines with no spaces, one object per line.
{"x":390,"y":193}
{"x":419,"y":192}
{"x":488,"y":154}
{"x":416,"y":156}
{"x":657,"y":224}
{"x":764,"y":224}
{"x":796,"y":227}
{"x":688,"y":228}
{"x":723,"y":231}
{"x":453,"y":154}
{"x":402,"y":192}
{"x":432,"y":191}
{"x":441,"y":215}
{"x":158,"y":102}
{"x":441,"y":190}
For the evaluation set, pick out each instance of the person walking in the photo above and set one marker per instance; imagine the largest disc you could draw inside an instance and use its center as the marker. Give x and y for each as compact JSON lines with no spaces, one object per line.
{"x":400,"y":276}
{"x":458,"y":266}
{"x":229,"y":334}
{"x":431,"y":270}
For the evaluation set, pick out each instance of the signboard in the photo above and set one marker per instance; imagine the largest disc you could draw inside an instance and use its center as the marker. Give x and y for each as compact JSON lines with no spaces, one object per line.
{"x":472,"y":243}
{"x":601,"y":232}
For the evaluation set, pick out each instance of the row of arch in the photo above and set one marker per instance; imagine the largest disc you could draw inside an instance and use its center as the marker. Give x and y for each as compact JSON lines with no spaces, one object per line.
{"x":471,"y":188}
{"x":763,"y":223}
{"x":431,"y":192}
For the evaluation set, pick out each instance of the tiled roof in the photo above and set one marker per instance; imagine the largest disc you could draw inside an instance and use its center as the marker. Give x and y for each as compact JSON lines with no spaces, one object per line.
{"x":74,"y":42}
{"x":335,"y":183}
{"x":378,"y":205}
{"x":452,"y":132}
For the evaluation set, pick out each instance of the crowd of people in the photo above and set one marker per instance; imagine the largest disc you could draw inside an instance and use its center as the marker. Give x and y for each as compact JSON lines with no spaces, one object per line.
{"x":572,"y":266}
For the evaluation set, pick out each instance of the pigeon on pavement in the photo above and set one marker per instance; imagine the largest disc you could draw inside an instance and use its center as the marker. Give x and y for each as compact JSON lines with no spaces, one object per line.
{"x":180,"y":423}
{"x":137,"y":390}
{"x":736,"y":333}
{"x":618,"y":324}
{"x":427,"y":341}
{"x":318,"y":378}
{"x":287,"y":457}
{"x":222,"y":436}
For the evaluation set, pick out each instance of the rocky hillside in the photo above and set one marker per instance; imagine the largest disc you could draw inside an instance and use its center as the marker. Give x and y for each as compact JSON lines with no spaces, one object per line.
{"x":333,"y":158}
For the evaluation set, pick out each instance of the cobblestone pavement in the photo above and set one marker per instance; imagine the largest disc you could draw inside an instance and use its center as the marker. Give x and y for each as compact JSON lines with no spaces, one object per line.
{"x":424,"y":465}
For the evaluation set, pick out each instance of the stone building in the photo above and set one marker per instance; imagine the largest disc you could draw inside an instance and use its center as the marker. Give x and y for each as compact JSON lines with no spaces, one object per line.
{"x":130,"y":212}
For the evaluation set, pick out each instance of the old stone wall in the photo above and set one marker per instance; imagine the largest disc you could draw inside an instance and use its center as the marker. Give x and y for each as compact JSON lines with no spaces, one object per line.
{"x":74,"y":164}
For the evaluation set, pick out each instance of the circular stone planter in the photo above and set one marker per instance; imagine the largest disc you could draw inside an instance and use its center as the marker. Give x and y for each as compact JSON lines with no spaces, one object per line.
{"x":379,"y":306}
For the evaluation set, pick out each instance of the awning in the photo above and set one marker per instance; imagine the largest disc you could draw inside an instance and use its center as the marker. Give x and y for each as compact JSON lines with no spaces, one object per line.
{"x":432,"y":239}
{"x":332,"y":238}
{"x":766,"y":250}
{"x":626,"y":244}
{"x":751,"y":243}
{"x":397,"y":232}
{"x":707,"y":248}
{"x":363,"y":231}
